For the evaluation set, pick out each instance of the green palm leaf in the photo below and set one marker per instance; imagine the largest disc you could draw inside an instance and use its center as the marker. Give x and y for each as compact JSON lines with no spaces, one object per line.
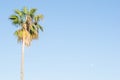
{"x":18,"y":12}
{"x":25,"y":10}
{"x":40,"y":27}
{"x":15,"y":19}
{"x":38,"y":17}
{"x":32,"y":12}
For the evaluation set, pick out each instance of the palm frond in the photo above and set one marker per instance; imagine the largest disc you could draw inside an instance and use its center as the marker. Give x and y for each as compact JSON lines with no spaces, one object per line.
{"x":41,"y":16}
{"x":40,"y":27}
{"x":15,"y":19}
{"x":19,"y":34}
{"x":34,"y":36}
{"x":16,"y":33}
{"x":32,"y":12}
{"x":25,"y":10}
{"x":32,"y":28}
{"x":18,"y":12}
{"x":38,"y":17}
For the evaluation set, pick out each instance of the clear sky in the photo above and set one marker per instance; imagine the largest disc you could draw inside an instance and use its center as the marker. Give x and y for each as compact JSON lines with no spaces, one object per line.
{"x":81,"y":41}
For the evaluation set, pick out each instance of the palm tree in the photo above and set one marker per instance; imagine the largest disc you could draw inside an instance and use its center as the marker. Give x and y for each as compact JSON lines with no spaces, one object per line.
{"x":28,"y":24}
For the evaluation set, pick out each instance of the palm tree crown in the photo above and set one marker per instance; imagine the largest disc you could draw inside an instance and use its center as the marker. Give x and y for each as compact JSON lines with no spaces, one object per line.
{"x":29,"y":24}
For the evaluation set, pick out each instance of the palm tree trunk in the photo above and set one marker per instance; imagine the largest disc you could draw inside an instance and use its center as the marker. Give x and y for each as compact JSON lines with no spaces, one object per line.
{"x":22,"y":61}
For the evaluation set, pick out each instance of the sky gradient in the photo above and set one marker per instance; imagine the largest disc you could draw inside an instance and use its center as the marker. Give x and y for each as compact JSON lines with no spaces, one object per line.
{"x":81,"y":41}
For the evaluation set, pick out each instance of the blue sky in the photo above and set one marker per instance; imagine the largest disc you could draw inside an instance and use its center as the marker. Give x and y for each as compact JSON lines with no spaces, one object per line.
{"x":81,"y":41}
